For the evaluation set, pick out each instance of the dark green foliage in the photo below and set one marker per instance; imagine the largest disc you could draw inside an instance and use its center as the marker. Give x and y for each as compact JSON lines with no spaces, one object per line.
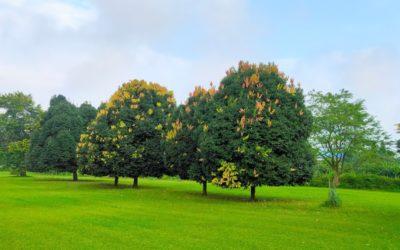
{"x":126,"y":138}
{"x":357,"y":181}
{"x":398,"y":146}
{"x":191,"y":152}
{"x":261,"y":124}
{"x":87,"y":112}
{"x":53,"y":146}
{"x":304,"y":162}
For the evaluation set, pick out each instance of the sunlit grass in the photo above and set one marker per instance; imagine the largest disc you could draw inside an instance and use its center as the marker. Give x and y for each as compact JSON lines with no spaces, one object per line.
{"x":52,"y":212}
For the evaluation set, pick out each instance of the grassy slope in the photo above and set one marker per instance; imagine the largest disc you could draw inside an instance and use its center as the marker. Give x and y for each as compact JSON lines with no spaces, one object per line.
{"x":53,"y":212}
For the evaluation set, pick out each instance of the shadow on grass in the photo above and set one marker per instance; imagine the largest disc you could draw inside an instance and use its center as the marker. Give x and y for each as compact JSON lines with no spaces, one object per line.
{"x":101,"y":184}
{"x":62,"y":179}
{"x":212,"y":196}
{"x":242,"y":198}
{"x":17,"y":176}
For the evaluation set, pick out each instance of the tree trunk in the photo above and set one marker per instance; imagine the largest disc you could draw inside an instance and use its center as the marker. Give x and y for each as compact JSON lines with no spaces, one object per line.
{"x":74,"y":176}
{"x":336,"y":180}
{"x":204,"y":188}
{"x":22,"y":172}
{"x":116,"y":178}
{"x":253,"y":193}
{"x":135,"y":182}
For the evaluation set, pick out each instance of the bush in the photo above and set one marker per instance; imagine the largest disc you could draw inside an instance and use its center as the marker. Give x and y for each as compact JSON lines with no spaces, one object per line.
{"x":333,"y":199}
{"x":369,"y":181}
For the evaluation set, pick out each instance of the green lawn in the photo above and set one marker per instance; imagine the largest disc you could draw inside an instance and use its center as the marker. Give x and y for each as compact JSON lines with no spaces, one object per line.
{"x":52,"y":212}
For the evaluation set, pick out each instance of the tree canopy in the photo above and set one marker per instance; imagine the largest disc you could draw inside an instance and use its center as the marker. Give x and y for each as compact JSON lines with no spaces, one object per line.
{"x":259,"y":129}
{"x":19,"y":116}
{"x":16,"y":156}
{"x":126,"y":138}
{"x":342,"y":127}
{"x":53,"y":146}
{"x":190,"y":150}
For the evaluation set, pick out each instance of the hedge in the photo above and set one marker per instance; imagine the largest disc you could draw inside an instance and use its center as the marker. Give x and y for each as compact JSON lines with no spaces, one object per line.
{"x":369,"y":181}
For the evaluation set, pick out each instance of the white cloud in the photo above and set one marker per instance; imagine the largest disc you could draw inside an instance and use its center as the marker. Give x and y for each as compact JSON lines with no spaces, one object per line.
{"x":85,"y":52}
{"x":86,"y":49}
{"x":370,"y":74}
{"x":65,"y":15}
{"x":21,"y":14}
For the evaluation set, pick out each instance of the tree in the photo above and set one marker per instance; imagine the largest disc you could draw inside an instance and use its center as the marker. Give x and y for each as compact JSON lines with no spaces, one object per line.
{"x":19,"y":116}
{"x":398,"y":141}
{"x":87,"y":112}
{"x":16,"y":156}
{"x":260,"y":128}
{"x":190,"y":148}
{"x":96,"y":149}
{"x":342,"y":127}
{"x":126,"y":138}
{"x":53,"y":145}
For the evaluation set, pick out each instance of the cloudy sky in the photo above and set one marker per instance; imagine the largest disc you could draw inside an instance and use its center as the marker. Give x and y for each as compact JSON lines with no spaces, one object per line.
{"x":85,"y":49}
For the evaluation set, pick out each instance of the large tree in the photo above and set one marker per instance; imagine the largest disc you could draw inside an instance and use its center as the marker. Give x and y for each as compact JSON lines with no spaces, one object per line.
{"x":126,"y":138}
{"x":260,"y":128}
{"x":342,"y":127}
{"x":53,"y":145}
{"x":19,"y":116}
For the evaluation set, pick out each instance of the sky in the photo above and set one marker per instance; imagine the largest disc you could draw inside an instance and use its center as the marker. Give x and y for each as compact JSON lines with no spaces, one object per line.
{"x":85,"y":49}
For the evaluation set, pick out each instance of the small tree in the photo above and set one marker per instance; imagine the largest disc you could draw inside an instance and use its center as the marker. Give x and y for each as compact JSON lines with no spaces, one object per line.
{"x":398,"y":141}
{"x":16,"y":156}
{"x":333,"y":200}
{"x":126,"y":138}
{"x":19,"y":116}
{"x":341,"y":127}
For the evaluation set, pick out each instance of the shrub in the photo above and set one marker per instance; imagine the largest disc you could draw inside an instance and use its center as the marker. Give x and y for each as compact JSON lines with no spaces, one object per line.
{"x":333,"y":199}
{"x":369,"y":181}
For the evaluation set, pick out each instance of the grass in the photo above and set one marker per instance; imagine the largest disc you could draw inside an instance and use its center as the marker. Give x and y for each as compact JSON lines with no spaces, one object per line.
{"x":52,"y":212}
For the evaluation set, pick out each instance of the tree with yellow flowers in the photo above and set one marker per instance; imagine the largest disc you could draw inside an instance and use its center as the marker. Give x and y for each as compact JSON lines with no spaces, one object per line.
{"x":260,"y":127}
{"x":127,"y":136}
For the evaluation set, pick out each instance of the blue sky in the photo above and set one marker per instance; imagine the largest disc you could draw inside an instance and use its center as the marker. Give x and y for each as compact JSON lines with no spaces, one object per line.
{"x":85,"y":49}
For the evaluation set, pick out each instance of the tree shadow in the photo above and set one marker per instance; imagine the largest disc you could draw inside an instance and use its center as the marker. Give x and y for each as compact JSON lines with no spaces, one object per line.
{"x":17,"y":176}
{"x":239,"y":198}
{"x":61,"y":179}
{"x":111,"y":186}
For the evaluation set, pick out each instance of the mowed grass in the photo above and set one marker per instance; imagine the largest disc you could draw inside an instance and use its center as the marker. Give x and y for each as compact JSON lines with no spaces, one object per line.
{"x":52,"y":212}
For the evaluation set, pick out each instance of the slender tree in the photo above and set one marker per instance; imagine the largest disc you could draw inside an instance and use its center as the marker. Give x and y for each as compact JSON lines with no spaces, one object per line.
{"x":19,"y":116}
{"x":16,"y":156}
{"x":398,"y":141}
{"x":342,"y":127}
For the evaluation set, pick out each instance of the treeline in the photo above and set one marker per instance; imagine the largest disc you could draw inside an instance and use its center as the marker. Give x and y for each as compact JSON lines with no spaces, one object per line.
{"x":251,"y":131}
{"x":254,"y":129}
